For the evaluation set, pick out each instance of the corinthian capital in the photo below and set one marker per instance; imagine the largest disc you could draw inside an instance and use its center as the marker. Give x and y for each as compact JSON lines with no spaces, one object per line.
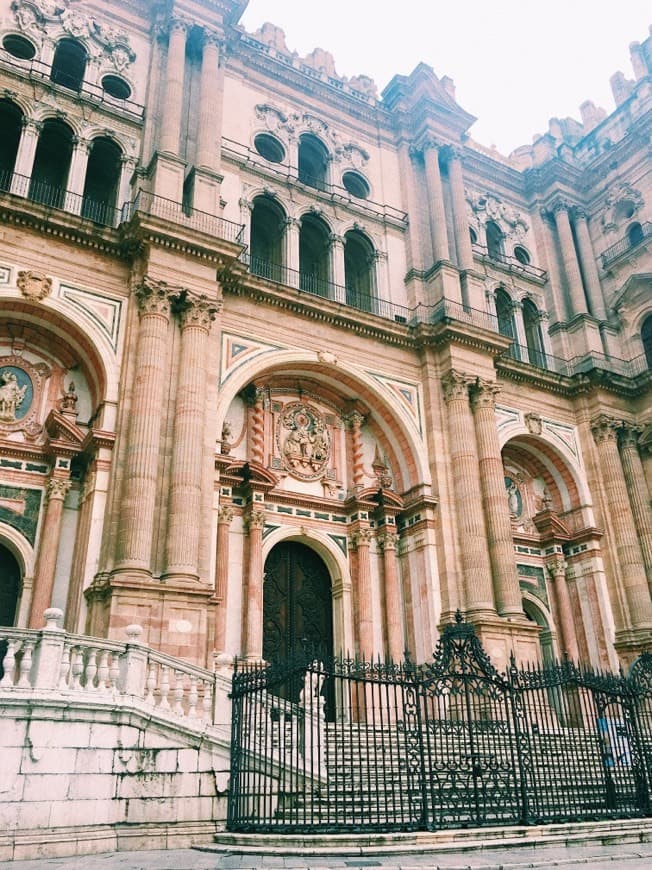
{"x":57,"y":489}
{"x":483,"y":394}
{"x":605,"y":428}
{"x":388,"y":541}
{"x":199,"y":312}
{"x":153,"y":297}
{"x":255,"y":519}
{"x":361,"y":538}
{"x":225,"y":514}
{"x":455,"y":385}
{"x":178,"y":23}
{"x":557,"y":567}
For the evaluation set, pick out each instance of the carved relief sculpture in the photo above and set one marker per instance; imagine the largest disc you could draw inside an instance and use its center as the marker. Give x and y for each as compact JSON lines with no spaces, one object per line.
{"x":12,"y":395}
{"x":34,"y":285}
{"x":306,"y":447}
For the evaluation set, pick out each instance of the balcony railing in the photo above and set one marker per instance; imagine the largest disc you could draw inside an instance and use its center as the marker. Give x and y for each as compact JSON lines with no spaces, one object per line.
{"x":510,"y":263}
{"x":626,"y":244}
{"x":186,"y":216}
{"x":315,"y":285}
{"x":54,"y":197}
{"x":36,"y":70}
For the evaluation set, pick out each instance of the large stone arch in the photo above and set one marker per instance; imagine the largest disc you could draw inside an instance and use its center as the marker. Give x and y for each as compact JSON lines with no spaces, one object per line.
{"x":25,"y":555}
{"x":400,"y":430}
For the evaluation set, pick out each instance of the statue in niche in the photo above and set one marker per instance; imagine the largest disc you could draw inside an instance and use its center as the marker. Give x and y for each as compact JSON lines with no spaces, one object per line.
{"x":514,"y":499}
{"x":11,"y":396}
{"x":225,"y":438}
{"x":68,"y":404}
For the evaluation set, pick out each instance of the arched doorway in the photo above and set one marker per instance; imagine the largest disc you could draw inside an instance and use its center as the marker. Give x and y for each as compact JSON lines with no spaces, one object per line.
{"x":9,"y":586}
{"x":297,"y":602}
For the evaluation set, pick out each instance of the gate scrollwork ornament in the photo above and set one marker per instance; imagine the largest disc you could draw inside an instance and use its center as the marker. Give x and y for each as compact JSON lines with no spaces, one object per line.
{"x":303,"y":440}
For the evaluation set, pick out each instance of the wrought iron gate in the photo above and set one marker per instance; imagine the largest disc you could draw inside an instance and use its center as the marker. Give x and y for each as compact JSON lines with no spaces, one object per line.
{"x":452,"y":743}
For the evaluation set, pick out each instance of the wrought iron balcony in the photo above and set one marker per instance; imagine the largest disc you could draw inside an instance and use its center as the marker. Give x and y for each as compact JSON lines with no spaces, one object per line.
{"x":626,"y":244}
{"x":53,"y":197}
{"x":509,"y":263}
{"x":186,"y":216}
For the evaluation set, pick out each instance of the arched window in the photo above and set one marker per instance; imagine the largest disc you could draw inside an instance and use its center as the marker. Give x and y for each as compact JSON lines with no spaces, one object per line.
{"x":11,"y":121}
{"x":506,"y":325}
{"x":634,"y":235}
{"x":314,"y":255}
{"x":69,"y":64}
{"x":9,"y":587}
{"x":358,"y":270}
{"x":313,"y":161}
{"x":102,"y":182}
{"x":533,"y":337}
{"x":51,"y":164}
{"x":266,"y":238}
{"x":646,"y":338}
{"x":494,"y":240}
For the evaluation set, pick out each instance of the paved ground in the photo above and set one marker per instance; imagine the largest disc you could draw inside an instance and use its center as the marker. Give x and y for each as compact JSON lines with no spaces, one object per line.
{"x":630,"y":856}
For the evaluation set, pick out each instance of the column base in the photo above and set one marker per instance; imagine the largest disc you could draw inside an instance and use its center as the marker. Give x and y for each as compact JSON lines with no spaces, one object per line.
{"x":632,"y":643}
{"x":166,"y":172}
{"x":203,"y":186}
{"x":500,"y":637}
{"x":443,"y":282}
{"x":473,"y":289}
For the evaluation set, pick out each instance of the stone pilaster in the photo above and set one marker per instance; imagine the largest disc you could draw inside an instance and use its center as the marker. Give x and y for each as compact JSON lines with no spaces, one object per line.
{"x":224,"y":519}
{"x":137,"y":511}
{"x":460,"y":219}
{"x":589,"y":267}
{"x":472,"y":534}
{"x":208,"y":134}
{"x":182,"y":544}
{"x":438,"y":231}
{"x":569,"y":259}
{"x":48,"y":551}
{"x":629,"y":556}
{"x":557,"y":571}
{"x":388,"y":543}
{"x":253,"y":601}
{"x":494,"y":501}
{"x":24,"y":163}
{"x":174,"y":75}
{"x":361,"y":542}
{"x":638,"y":492}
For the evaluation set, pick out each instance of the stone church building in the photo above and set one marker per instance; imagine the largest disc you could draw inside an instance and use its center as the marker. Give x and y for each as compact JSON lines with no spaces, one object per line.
{"x":283,"y":358}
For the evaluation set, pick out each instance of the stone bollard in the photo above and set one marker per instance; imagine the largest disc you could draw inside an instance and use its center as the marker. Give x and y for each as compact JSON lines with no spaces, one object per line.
{"x":133,"y":664}
{"x":46,"y":668}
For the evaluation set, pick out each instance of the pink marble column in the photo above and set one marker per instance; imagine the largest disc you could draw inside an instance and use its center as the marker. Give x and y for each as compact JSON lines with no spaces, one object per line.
{"x":472,"y":534}
{"x":224,"y":519}
{"x":620,"y":516}
{"x":569,"y":259}
{"x":393,"y":623}
{"x":48,"y":551}
{"x":174,"y":76}
{"x":256,"y":428}
{"x":438,"y":231}
{"x":184,"y":508}
{"x":253,"y":601}
{"x":557,"y":570}
{"x":460,"y":218}
{"x":361,"y":542}
{"x":137,"y":512}
{"x":355,"y":421}
{"x":494,"y":501}
{"x":208,"y":134}
{"x":589,"y":266}
{"x":639,"y":496}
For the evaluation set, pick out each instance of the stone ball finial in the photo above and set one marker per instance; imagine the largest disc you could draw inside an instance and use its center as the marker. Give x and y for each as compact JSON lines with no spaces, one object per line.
{"x":133,"y":632}
{"x":52,"y":616}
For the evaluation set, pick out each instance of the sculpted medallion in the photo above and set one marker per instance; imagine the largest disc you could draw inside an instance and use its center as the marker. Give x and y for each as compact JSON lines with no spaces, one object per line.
{"x":304,"y":441}
{"x":20,"y":390}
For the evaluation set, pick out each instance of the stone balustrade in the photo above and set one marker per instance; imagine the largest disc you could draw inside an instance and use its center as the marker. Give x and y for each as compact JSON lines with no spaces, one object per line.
{"x":53,"y":660}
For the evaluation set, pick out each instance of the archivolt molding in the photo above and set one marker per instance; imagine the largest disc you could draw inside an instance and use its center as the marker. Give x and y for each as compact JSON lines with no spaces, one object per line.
{"x":611,"y":218}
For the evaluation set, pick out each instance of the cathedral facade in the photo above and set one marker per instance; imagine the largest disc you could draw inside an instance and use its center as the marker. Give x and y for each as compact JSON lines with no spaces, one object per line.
{"x":284,"y":359}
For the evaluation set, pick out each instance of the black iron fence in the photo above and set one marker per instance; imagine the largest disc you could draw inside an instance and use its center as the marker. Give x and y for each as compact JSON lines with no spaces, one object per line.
{"x":345,"y":745}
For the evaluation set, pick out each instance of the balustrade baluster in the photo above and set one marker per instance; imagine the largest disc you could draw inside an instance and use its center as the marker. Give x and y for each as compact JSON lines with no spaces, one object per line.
{"x":114,"y":672}
{"x":9,"y":665}
{"x":164,"y":688}
{"x":192,"y":698}
{"x":103,"y":671}
{"x":150,"y":684}
{"x":77,"y":668}
{"x":206,"y":702}
{"x":91,"y":670}
{"x":178,"y":693}
{"x":25,"y":664}
{"x":64,"y":669}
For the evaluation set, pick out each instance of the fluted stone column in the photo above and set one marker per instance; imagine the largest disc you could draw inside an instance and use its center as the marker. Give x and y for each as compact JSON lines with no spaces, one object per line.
{"x":292,"y":228}
{"x":476,"y":567}
{"x":589,"y":267}
{"x":137,"y":512}
{"x":253,"y":603}
{"x":25,"y":156}
{"x":48,"y":551}
{"x":77,"y":175}
{"x":494,"y":500}
{"x":127,"y":167}
{"x":628,"y":550}
{"x":569,"y":259}
{"x":339,"y":274}
{"x":208,"y":133}
{"x":638,"y":493}
{"x":174,"y":75}
{"x":361,"y":542}
{"x":460,"y":219}
{"x":393,"y":623}
{"x":182,"y":545}
{"x":438,"y":231}
{"x":557,"y":570}
{"x":224,"y":519}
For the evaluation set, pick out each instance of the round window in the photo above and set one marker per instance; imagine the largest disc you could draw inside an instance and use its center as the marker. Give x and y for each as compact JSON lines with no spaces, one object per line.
{"x":116,"y":87}
{"x":18,"y":46}
{"x":356,"y":185}
{"x":522,"y":255}
{"x":269,"y":148}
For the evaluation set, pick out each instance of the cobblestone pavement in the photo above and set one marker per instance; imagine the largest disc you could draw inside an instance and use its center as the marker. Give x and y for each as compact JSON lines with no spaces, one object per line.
{"x":632,"y":856}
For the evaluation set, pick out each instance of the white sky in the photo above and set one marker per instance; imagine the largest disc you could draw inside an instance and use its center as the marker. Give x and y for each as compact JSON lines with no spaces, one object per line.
{"x":515,"y":63}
